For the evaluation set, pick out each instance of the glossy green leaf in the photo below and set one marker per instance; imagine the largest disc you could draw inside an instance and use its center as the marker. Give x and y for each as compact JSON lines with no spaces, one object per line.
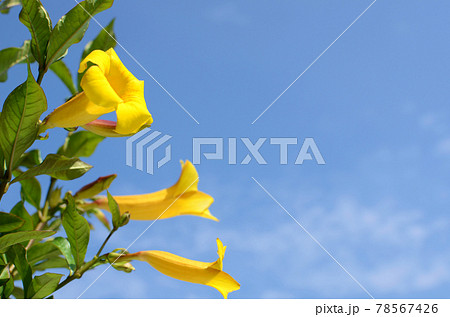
{"x":71,"y":27}
{"x":18,"y":256}
{"x":64,"y":247}
{"x":105,"y":40}
{"x":52,"y":263}
{"x":63,"y":73}
{"x":43,"y":285}
{"x":96,"y":187}
{"x":31,"y":191}
{"x":4,"y":274}
{"x":42,"y":251}
{"x":20,"y":211}
{"x":80,"y":144}
{"x":19,"y":119}
{"x":37,"y":20}
{"x":114,"y":209}
{"x":77,"y":230}
{"x":8,"y":288}
{"x":57,"y":166}
{"x":9,"y":222}
{"x":8,"y":4}
{"x":30,"y":159}
{"x":18,"y":293}
{"x":12,"y":56}
{"x":2,"y":161}
{"x":10,"y":239}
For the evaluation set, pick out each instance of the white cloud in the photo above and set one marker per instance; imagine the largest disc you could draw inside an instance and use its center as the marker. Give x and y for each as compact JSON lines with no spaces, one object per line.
{"x":386,"y":248}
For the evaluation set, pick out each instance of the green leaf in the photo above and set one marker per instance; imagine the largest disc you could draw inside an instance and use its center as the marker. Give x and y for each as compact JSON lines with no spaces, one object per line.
{"x":37,"y":20}
{"x":30,"y":159}
{"x":8,"y":4}
{"x":77,"y":230}
{"x":114,"y":209}
{"x":43,"y":285}
{"x":63,"y":72}
{"x":53,"y":263}
{"x":70,"y":28}
{"x":9,"y":222}
{"x":64,"y":246}
{"x":80,"y":144}
{"x":20,"y":211}
{"x":31,"y":191}
{"x":8,"y":288}
{"x":18,"y":293}
{"x":19,"y":119}
{"x":4,"y":274}
{"x":12,"y":56}
{"x":55,"y":197}
{"x":57,"y":166}
{"x":42,"y":251}
{"x":2,"y":161}
{"x":105,"y":40}
{"x":18,"y":255}
{"x":10,"y":239}
{"x":96,"y":187}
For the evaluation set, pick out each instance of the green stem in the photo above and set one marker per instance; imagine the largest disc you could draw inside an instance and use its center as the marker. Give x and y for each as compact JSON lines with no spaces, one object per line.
{"x":4,"y":182}
{"x":106,"y":241}
{"x":79,"y":272}
{"x":41,"y":75}
{"x":44,"y":214}
{"x":47,"y":199}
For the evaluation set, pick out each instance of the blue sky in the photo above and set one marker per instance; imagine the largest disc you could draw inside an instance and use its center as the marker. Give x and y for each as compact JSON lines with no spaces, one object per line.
{"x":376,"y":104}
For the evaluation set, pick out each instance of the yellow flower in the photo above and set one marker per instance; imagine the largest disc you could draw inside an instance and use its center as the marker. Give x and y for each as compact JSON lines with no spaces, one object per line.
{"x":183,"y":198}
{"x":175,"y":266}
{"x":108,"y":86}
{"x":104,"y":128}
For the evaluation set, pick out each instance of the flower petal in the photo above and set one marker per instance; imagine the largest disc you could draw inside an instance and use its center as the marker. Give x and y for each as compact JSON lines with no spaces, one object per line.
{"x":187,"y":182}
{"x":189,"y":270}
{"x":118,"y":76}
{"x":77,"y":111}
{"x":97,"y":57}
{"x":98,"y":89}
{"x":183,"y":198}
{"x":132,"y":114}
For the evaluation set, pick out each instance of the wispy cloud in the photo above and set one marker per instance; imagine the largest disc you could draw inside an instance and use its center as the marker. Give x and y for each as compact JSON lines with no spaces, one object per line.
{"x":228,"y":13}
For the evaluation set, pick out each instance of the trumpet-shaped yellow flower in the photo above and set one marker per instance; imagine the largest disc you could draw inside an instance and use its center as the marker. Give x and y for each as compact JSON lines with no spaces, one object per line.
{"x":175,"y":266}
{"x":104,"y":128}
{"x":107,"y":86}
{"x":183,"y":198}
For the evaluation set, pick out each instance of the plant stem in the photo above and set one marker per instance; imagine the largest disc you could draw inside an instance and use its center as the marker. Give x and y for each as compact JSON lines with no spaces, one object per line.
{"x":106,"y":241}
{"x":4,"y":182}
{"x":41,"y":75}
{"x":79,"y":272}
{"x":44,"y":217}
